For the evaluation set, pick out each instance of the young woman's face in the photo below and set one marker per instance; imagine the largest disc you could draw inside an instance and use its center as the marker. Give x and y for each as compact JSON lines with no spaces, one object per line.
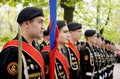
{"x":64,"y":35}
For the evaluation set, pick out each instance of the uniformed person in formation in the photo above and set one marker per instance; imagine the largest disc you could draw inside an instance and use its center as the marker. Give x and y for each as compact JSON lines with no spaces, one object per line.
{"x":62,"y":65}
{"x":72,"y":51}
{"x":88,"y":60}
{"x":46,"y":39}
{"x":105,"y":59}
{"x":118,"y":56}
{"x":110,"y":57}
{"x":97,"y":57}
{"x":99,"y":53}
{"x":80,"y":45}
{"x":104,"y":55}
{"x":99,"y":48}
{"x":31,"y":21}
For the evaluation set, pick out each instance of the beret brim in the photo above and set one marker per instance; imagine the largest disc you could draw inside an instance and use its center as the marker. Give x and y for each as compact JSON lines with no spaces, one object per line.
{"x":29,"y":13}
{"x":74,"y":26}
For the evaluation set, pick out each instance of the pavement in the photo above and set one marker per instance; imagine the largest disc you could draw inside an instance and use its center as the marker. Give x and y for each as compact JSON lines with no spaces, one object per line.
{"x":116,"y":71}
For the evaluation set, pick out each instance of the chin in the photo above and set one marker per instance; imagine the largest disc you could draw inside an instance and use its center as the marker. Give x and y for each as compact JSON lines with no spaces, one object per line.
{"x":40,"y":36}
{"x":66,"y":42}
{"x":79,"y":38}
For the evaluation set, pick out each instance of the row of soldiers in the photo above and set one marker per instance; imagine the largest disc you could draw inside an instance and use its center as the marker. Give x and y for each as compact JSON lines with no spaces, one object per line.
{"x":96,"y":56}
{"x":93,"y":61}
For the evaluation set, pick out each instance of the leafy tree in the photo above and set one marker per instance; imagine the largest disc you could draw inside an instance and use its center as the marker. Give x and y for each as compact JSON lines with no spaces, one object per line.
{"x":102,"y":15}
{"x":68,"y":6}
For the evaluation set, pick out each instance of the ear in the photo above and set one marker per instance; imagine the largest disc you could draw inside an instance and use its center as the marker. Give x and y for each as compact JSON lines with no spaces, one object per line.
{"x":26,"y":23}
{"x":70,"y":32}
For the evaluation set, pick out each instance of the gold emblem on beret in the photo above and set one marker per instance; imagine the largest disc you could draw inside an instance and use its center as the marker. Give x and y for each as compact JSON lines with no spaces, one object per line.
{"x":86,"y":57}
{"x":12,"y":68}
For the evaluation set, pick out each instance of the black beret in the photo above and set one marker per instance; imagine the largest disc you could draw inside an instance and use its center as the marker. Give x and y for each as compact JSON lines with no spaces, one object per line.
{"x":89,"y":33}
{"x":102,"y":38}
{"x":29,"y":13}
{"x":98,"y":35}
{"x":81,"y":43}
{"x":107,"y":41}
{"x":61,"y":23}
{"x":74,"y":26}
{"x":45,"y":33}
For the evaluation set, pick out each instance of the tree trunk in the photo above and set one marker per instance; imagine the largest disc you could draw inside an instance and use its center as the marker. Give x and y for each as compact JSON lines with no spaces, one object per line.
{"x":68,"y":14}
{"x":68,"y":11}
{"x":98,"y":14}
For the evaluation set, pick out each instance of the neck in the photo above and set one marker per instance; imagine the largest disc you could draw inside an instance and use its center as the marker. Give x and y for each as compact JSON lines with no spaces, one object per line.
{"x":46,"y":41}
{"x":60,"y":46}
{"x":89,"y":43}
{"x":72,"y":41}
{"x":27,"y":38}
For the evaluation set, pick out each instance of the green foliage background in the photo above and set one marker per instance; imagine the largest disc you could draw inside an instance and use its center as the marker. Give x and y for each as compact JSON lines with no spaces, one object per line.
{"x":95,"y":14}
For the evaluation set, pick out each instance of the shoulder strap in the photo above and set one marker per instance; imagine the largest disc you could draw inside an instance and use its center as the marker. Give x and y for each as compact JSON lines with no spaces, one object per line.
{"x":46,"y":49}
{"x":74,"y":50}
{"x":64,"y":62}
{"x":30,"y":50}
{"x":61,"y":58}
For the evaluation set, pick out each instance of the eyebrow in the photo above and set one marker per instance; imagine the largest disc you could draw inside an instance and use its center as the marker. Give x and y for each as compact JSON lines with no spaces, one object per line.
{"x":95,"y":35}
{"x":65,"y":30}
{"x":40,"y":19}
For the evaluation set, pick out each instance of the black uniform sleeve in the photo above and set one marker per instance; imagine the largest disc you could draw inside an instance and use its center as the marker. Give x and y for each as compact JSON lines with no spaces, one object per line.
{"x":46,"y":58}
{"x":8,"y":63}
{"x":83,"y":62}
{"x":46,"y":63}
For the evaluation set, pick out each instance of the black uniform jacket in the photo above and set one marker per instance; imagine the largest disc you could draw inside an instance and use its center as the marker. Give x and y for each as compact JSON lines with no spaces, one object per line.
{"x":73,"y":62}
{"x":61,"y":65}
{"x":9,"y":64}
{"x":42,"y":45}
{"x":85,"y":61}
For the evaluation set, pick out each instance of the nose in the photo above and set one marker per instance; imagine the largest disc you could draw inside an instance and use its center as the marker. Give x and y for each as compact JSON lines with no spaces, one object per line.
{"x":42,"y":27}
{"x":81,"y":33}
{"x":68,"y":34}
